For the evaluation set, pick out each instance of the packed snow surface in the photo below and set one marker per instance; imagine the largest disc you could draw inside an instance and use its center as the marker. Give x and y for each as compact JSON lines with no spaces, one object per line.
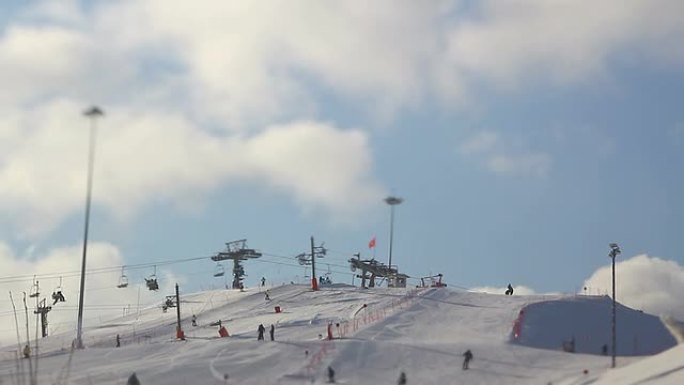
{"x":378,"y":333}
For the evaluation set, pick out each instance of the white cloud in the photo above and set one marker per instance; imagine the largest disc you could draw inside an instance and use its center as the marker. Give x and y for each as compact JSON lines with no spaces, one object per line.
{"x":103,"y":300}
{"x":504,"y":157}
{"x":517,"y":290}
{"x":642,"y":282}
{"x":163,"y":157}
{"x":566,"y":40}
{"x":221,"y":66}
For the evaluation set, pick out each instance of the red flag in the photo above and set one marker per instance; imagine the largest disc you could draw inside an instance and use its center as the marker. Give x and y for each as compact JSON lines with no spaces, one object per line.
{"x":371,"y":244}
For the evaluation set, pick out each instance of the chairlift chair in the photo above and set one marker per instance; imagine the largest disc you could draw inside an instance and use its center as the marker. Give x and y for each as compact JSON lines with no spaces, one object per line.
{"x":34,"y":289}
{"x":219,"y":271}
{"x":123,"y":280}
{"x":151,"y":281}
{"x":57,"y":295}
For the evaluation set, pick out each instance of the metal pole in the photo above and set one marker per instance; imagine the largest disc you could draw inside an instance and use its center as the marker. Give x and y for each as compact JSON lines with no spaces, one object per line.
{"x":392,"y":201}
{"x":93,"y":113}
{"x":613,"y":322}
{"x":389,"y":263}
{"x":178,"y":328}
{"x":614,"y":251}
{"x":314,"y":279}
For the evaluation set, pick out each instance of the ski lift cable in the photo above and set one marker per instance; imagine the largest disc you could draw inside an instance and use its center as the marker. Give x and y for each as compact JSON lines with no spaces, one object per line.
{"x":99,"y":270}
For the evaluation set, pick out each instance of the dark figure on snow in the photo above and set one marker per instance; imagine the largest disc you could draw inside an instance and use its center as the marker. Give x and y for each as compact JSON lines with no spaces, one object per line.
{"x":263,"y":281}
{"x":267,"y":297}
{"x":467,"y":356}
{"x":509,"y":290}
{"x":27,"y":351}
{"x":272,"y":332}
{"x":604,"y":349}
{"x":331,"y":375}
{"x":118,"y":341}
{"x":194,"y":320}
{"x":261,"y":331}
{"x":402,"y":379}
{"x":133,"y":380}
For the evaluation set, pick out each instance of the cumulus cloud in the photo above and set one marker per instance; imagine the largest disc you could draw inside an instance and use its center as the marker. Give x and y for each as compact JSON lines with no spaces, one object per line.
{"x":205,"y":71}
{"x":519,"y":290}
{"x":504,"y":157}
{"x":651,"y":284}
{"x":566,"y":41}
{"x":151,"y":156}
{"x":103,"y":300}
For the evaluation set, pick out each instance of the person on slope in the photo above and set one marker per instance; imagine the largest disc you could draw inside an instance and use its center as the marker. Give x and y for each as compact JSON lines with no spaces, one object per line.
{"x":267,"y":296}
{"x":467,"y":356}
{"x":133,"y":380}
{"x":272,"y":332}
{"x":263,"y":281}
{"x":331,"y":375}
{"x":402,"y":379}
{"x":261,"y":331}
{"x":509,"y":290}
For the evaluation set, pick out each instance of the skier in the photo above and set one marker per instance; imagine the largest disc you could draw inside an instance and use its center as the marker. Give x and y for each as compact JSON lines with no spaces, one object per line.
{"x":194,"y":320}
{"x":261,"y":331}
{"x":27,"y":351}
{"x":331,"y":375}
{"x":272,"y":332}
{"x":133,"y":380}
{"x":468,"y":356}
{"x":267,"y":297}
{"x":118,"y":341}
{"x":509,"y":290}
{"x":402,"y":379}
{"x":263,"y":281}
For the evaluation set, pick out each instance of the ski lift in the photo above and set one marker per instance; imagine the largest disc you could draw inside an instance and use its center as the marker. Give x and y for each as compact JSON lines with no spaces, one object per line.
{"x":151,"y":281}
{"x":34,"y":289}
{"x":123,"y":280}
{"x":57,"y":295}
{"x":219,"y":271}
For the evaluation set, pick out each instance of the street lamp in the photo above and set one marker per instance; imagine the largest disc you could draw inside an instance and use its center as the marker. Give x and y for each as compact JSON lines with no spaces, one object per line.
{"x":614,"y":252}
{"x":92,"y":113}
{"x":392,"y":201}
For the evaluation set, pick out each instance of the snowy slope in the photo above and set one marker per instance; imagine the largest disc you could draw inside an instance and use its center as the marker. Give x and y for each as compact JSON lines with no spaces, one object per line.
{"x":385,"y":331}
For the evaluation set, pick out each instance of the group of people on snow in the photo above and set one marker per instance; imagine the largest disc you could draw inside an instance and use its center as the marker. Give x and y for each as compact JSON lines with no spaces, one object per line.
{"x":260,"y":332}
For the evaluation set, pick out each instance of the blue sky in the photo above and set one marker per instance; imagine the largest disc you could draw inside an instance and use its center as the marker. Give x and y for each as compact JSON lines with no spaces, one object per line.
{"x":523,"y":136}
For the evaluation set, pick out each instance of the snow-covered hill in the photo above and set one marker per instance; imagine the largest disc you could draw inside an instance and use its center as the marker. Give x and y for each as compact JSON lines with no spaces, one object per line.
{"x":378,"y":334}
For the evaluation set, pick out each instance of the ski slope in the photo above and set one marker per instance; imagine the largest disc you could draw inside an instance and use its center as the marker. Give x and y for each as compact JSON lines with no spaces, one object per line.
{"x":381,"y":333}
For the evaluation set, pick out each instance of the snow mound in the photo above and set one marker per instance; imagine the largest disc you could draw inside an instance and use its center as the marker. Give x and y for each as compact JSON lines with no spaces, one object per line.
{"x":583,"y":324}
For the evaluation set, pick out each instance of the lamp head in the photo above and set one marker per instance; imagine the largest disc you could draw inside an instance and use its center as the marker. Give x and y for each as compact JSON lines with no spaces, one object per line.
{"x":614,"y":250}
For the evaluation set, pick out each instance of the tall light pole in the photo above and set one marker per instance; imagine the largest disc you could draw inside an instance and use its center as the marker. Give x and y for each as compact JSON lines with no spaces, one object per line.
{"x":92,"y":113}
{"x":614,"y":252}
{"x":392,"y":201}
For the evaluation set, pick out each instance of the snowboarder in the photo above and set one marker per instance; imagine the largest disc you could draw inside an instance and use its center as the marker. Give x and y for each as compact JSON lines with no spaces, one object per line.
{"x":27,"y":351}
{"x":267,"y":297}
{"x":133,"y":380}
{"x":468,"y":355}
{"x":194,"y":320}
{"x":118,"y":341}
{"x":331,"y":375}
{"x":272,"y":332}
{"x":402,"y":379}
{"x":509,"y":290}
{"x":263,"y":281}
{"x":261,"y":331}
